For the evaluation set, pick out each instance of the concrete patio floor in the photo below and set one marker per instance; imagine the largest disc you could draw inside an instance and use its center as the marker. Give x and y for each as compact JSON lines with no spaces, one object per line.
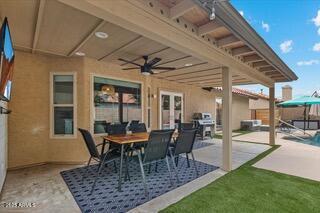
{"x":44,"y":186}
{"x":291,"y":158}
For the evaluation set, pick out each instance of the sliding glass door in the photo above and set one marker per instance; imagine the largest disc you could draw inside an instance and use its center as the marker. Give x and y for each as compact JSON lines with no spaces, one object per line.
{"x":171,"y":109}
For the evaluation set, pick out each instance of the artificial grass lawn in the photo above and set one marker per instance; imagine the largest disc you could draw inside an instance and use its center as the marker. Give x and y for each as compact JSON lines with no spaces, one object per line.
{"x":241,"y":132}
{"x":248,"y":189}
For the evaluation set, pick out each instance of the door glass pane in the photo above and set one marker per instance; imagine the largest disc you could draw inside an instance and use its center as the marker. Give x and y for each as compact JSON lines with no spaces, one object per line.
{"x":165,"y":109}
{"x":63,"y":89}
{"x":63,"y":120}
{"x":177,"y":110}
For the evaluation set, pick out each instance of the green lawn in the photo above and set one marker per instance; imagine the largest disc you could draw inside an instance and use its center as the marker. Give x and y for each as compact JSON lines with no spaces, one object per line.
{"x":248,"y":189}
{"x":241,"y":132}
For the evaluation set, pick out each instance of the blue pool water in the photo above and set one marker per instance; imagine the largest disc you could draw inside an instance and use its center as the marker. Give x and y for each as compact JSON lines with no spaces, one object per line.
{"x":315,"y":140}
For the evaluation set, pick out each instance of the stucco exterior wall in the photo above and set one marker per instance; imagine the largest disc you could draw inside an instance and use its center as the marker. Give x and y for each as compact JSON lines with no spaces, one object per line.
{"x":259,"y":103}
{"x":240,"y":110}
{"x":29,"y":123}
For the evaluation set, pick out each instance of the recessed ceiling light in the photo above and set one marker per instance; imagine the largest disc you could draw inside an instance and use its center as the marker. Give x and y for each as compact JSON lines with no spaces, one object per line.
{"x":102,"y":35}
{"x":188,"y":65}
{"x":80,"y":53}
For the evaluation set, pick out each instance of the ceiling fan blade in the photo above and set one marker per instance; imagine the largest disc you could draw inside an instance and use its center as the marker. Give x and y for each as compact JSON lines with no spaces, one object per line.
{"x":154,"y":61}
{"x":163,"y":68}
{"x":131,"y":68}
{"x":129,"y":62}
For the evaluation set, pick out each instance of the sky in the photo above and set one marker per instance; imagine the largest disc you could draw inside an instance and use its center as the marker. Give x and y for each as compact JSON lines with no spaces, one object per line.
{"x":292,"y":30}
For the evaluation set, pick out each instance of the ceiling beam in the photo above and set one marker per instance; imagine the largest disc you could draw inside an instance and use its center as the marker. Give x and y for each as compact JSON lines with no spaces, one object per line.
{"x":126,"y":45}
{"x":271,"y":72}
{"x":200,"y":78}
{"x":260,"y":64}
{"x":209,"y":28}
{"x":86,"y":38}
{"x":252,"y":58}
{"x":240,"y":51}
{"x":148,"y":54}
{"x":185,"y":70}
{"x":185,"y":74}
{"x":268,"y":68}
{"x":228,"y":41}
{"x":174,"y":60}
{"x":38,"y":25}
{"x":139,"y":17}
{"x":181,"y":8}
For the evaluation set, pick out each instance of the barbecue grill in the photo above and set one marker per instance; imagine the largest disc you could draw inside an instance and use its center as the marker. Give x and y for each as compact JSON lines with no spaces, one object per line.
{"x":205,"y":123}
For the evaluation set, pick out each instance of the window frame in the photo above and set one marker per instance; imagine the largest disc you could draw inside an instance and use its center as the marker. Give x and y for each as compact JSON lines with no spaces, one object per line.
{"x":52,"y":106}
{"x":92,"y":110}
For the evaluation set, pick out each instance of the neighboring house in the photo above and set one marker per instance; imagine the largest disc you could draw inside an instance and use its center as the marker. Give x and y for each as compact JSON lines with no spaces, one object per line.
{"x":259,"y":107}
{"x":240,"y":106}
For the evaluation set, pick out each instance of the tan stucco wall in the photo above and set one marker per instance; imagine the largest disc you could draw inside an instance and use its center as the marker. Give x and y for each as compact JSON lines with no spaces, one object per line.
{"x":240,"y":109}
{"x":259,"y":104}
{"x":29,"y":141}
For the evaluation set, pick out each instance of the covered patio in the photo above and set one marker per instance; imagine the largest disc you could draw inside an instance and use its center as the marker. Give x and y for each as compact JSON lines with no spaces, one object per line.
{"x":51,"y":192}
{"x":67,"y":53}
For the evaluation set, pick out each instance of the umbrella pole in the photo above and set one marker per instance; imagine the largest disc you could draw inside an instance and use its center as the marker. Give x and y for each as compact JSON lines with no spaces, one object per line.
{"x":309,"y":117}
{"x":304,"y":119}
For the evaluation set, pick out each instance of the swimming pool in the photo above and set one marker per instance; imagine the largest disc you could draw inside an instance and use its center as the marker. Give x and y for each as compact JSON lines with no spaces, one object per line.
{"x":315,"y":140}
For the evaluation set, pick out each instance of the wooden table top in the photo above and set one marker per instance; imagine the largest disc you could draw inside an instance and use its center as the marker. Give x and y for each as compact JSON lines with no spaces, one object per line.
{"x":131,"y":138}
{"x":128,"y":138}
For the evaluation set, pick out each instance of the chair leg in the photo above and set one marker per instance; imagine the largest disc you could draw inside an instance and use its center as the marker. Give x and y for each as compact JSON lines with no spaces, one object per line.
{"x":156,"y":168}
{"x":127,"y":177}
{"x":174,"y":166}
{"x":142,"y":173}
{"x":115,"y":166}
{"x":149,"y":169}
{"x":194,"y":163}
{"x":176,"y":158}
{"x":98,"y":175}
{"x":169,"y":171}
{"x":87,"y":169}
{"x":188,"y":160}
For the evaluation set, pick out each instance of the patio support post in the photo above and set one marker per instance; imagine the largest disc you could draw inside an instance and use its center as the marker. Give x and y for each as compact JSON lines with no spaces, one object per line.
{"x":272,"y":136}
{"x":226,"y":119}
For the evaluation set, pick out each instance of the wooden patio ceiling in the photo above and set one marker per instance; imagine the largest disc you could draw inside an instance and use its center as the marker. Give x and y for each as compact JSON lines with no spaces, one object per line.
{"x":51,"y":27}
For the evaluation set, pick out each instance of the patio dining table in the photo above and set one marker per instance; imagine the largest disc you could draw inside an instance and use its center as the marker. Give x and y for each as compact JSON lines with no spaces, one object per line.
{"x":126,"y":139}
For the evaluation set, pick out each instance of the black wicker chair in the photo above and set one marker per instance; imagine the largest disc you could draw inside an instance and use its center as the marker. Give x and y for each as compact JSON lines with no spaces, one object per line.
{"x":185,"y":126}
{"x":184,"y":145}
{"x":140,"y":127}
{"x":156,"y":150}
{"x":102,"y":158}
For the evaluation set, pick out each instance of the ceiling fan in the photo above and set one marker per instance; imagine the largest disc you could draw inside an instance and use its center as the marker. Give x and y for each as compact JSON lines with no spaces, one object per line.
{"x":148,"y":66}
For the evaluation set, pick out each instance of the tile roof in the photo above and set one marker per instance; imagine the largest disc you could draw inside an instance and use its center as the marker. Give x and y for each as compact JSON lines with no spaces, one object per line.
{"x":246,"y":93}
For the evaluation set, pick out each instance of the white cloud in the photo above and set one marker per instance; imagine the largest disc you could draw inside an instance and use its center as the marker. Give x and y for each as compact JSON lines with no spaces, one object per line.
{"x":241,"y":12}
{"x":308,"y":63}
{"x":286,"y":46}
{"x":316,"y":47}
{"x":265,"y":26}
{"x":316,"y":20}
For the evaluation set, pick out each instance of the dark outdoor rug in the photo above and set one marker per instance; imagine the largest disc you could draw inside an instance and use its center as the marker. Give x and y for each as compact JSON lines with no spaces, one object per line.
{"x":200,"y":144}
{"x":107,"y":198}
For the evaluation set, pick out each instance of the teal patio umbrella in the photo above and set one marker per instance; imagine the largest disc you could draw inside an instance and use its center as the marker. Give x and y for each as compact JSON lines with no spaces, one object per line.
{"x":304,"y":101}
